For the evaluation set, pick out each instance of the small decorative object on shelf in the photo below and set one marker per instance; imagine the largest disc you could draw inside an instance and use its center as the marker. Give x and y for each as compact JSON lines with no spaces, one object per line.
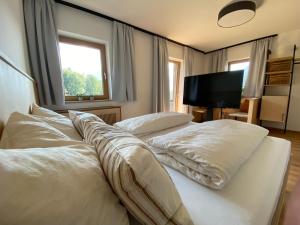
{"x":92,"y":98}
{"x":80,"y":97}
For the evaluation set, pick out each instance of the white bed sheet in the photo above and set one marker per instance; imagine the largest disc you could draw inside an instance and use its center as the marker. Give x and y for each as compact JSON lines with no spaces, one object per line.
{"x":251,"y":196}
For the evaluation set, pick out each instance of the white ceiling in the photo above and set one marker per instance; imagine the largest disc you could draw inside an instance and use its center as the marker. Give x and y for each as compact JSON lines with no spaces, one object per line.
{"x":194,"y":22}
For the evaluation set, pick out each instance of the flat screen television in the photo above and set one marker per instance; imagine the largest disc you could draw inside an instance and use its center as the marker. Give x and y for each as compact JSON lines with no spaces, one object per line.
{"x":216,"y":90}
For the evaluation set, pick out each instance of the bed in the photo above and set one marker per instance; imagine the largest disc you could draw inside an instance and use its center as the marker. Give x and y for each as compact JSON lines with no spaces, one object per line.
{"x":248,"y":198}
{"x":236,"y":204}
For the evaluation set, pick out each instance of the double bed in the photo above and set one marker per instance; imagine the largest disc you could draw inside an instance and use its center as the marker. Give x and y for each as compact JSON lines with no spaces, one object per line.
{"x":254,"y":195}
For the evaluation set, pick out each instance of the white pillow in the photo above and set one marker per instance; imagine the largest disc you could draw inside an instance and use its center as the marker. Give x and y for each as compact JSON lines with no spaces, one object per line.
{"x":40,"y":111}
{"x":154,"y":122}
{"x":27,"y":131}
{"x":60,"y":122}
{"x":136,"y":176}
{"x":56,"y":186}
{"x":76,"y":116}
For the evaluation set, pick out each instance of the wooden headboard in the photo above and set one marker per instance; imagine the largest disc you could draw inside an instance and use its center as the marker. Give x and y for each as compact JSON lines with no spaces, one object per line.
{"x":17,"y":90}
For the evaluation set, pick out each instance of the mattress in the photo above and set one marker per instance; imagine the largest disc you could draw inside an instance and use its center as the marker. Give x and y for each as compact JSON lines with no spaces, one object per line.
{"x":251,"y":196}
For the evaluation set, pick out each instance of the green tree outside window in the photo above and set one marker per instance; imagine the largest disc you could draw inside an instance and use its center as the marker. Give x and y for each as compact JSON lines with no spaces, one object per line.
{"x":77,"y":84}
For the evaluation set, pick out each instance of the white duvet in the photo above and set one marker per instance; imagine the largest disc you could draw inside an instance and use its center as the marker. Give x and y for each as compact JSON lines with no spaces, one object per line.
{"x":209,"y":153}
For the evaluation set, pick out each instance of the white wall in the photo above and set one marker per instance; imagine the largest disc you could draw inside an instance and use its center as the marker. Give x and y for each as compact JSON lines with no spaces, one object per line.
{"x":282,"y":47}
{"x":12,"y":38}
{"x":80,"y":24}
{"x":239,"y":52}
{"x":175,"y":50}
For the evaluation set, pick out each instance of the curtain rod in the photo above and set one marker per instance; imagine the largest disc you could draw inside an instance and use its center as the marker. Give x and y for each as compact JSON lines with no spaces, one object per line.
{"x":71,"y":5}
{"x":242,"y":43}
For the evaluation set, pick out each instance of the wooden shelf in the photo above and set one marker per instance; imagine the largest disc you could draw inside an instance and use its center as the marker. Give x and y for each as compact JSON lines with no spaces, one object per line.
{"x":281,"y":59}
{"x":278,"y":72}
{"x":280,"y":66}
{"x":276,"y":121}
{"x":277,"y":85}
{"x":276,"y":95}
{"x":278,"y":79}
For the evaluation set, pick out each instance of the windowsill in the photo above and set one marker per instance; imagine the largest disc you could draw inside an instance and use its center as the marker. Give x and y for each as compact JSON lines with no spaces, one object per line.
{"x":87,"y":101}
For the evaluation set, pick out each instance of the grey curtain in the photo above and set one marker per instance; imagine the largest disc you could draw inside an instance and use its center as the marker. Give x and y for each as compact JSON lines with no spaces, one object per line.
{"x":160,"y":85}
{"x":255,"y":82}
{"x":189,"y":58}
{"x":218,"y":61}
{"x":189,"y":61}
{"x":43,"y":49}
{"x":123,"y":65}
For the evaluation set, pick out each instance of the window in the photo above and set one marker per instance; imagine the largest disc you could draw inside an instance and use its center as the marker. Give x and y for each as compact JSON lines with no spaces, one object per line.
{"x":240,"y":65}
{"x":174,"y":72}
{"x":84,"y":69}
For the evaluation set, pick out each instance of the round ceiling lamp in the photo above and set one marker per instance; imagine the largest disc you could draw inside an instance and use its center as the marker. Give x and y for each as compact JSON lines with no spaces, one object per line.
{"x":236,"y":13}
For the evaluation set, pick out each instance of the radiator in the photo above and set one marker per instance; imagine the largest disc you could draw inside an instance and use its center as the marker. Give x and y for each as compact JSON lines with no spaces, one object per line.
{"x":110,"y":115}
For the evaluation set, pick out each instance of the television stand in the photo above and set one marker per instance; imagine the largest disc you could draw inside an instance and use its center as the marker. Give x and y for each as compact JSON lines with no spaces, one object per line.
{"x":221,"y":113}
{"x":207,"y":114}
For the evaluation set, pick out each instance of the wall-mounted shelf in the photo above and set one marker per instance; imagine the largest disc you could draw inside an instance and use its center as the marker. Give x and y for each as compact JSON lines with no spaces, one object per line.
{"x":277,"y":85}
{"x":279,"y":73}
{"x":280,"y":59}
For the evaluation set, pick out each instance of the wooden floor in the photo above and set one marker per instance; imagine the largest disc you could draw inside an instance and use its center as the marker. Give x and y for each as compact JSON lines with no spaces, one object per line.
{"x":294,"y":171}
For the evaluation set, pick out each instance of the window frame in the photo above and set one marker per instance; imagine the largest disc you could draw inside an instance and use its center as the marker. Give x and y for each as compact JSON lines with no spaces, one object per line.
{"x":237,"y":61}
{"x":102,"y":48}
{"x":178,"y":63}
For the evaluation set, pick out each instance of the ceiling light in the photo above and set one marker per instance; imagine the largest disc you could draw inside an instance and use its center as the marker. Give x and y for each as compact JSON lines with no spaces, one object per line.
{"x":236,"y":13}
